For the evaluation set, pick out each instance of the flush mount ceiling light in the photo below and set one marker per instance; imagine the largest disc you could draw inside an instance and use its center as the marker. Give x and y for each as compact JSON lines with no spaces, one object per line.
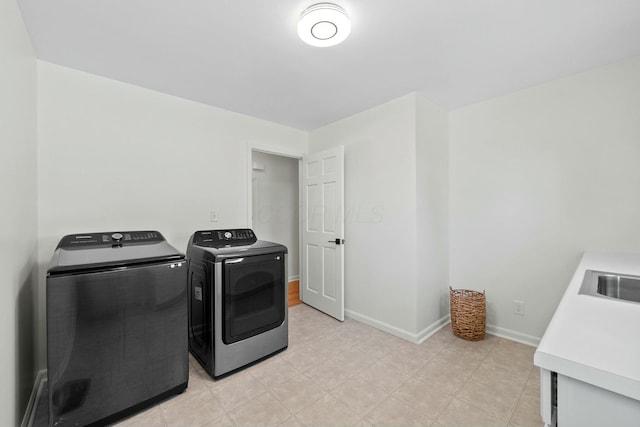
{"x":323,"y":25}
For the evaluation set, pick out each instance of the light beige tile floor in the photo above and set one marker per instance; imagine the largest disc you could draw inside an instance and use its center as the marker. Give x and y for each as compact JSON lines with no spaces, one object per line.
{"x":349,"y":374}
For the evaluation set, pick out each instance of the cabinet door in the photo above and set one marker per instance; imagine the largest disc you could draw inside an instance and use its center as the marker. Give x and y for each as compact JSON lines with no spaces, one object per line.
{"x":585,"y":405}
{"x":548,"y":394}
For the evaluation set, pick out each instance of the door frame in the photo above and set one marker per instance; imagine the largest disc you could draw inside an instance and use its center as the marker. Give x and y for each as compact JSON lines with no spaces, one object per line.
{"x":282,"y":152}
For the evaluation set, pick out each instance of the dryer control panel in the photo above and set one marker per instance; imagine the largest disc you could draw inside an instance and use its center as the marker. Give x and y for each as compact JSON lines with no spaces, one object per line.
{"x":225,"y":238}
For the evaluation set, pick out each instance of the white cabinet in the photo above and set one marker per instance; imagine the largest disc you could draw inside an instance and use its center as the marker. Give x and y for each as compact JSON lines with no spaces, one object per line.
{"x":548,"y":397}
{"x":568,"y":402}
{"x":593,"y":346}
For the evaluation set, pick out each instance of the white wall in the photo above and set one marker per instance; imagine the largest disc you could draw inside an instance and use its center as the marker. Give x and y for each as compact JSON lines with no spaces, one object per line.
{"x":432,"y":221}
{"x":380,"y":211}
{"x":18,"y":226}
{"x":114,"y":156}
{"x":275,"y":204}
{"x":535,"y":178}
{"x":538,"y":177}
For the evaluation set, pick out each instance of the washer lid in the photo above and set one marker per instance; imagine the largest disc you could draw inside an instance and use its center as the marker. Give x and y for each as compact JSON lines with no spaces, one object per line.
{"x":87,"y":251}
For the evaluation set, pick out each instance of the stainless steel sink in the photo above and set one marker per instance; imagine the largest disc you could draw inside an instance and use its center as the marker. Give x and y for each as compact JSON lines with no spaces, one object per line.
{"x":611,"y":285}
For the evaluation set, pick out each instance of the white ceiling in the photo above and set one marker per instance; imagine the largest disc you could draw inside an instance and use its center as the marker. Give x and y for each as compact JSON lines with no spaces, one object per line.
{"x":245,"y":55}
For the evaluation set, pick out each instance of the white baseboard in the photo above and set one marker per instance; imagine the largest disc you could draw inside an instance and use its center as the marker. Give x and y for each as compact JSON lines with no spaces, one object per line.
{"x":423,"y":335}
{"x":400,"y":333}
{"x":30,"y":412}
{"x":512,"y":335}
{"x":294,"y":278}
{"x":432,"y":329}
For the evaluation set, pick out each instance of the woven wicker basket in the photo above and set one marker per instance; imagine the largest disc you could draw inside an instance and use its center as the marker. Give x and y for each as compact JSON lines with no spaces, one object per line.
{"x":468,"y":313}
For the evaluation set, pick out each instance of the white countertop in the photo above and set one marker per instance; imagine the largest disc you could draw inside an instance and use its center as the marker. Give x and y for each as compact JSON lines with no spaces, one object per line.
{"x":592,"y":339}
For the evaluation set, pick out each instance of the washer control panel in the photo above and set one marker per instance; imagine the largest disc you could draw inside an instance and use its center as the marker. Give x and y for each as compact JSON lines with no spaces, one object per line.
{"x":112,"y":238}
{"x":225,"y":238}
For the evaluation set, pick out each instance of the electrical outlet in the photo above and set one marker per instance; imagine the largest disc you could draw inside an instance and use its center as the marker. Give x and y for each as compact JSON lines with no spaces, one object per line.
{"x":213,"y":216}
{"x":518,"y":307}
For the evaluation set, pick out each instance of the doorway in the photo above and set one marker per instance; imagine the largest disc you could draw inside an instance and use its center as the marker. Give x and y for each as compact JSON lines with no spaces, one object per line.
{"x":275,"y":205}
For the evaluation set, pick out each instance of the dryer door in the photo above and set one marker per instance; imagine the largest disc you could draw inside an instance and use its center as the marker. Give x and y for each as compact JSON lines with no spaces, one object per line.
{"x":253,"y":296}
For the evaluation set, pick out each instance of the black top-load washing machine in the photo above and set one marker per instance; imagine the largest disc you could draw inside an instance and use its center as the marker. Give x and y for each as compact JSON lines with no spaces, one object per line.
{"x":238,"y":299}
{"x":116,"y":326}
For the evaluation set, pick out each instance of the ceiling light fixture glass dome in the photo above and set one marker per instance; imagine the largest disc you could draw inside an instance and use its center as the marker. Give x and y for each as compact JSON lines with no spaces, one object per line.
{"x":324,"y":25}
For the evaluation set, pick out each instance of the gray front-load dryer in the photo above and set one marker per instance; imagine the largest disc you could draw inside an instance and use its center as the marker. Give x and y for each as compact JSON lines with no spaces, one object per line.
{"x":237,"y":299}
{"x":116,"y":326}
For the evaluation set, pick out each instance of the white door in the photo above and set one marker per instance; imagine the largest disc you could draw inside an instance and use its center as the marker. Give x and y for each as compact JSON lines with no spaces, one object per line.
{"x":322,"y":269}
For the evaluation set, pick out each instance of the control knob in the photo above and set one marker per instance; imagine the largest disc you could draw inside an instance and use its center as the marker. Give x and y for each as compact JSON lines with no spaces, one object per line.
{"x":117,"y":236}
